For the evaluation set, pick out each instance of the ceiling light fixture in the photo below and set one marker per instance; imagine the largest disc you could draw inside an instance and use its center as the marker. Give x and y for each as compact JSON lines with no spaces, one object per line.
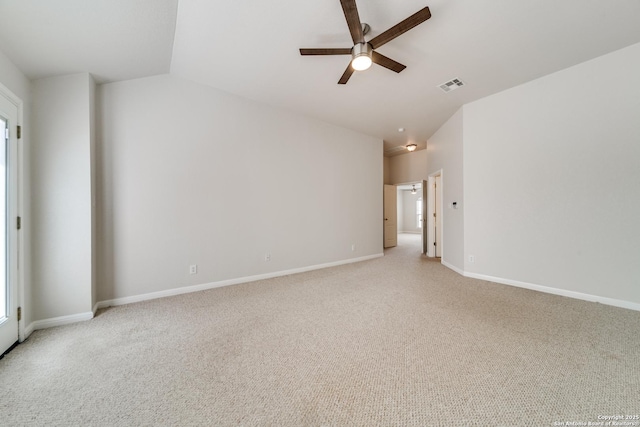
{"x":413,"y":190}
{"x":361,"y":54}
{"x":411,"y":147}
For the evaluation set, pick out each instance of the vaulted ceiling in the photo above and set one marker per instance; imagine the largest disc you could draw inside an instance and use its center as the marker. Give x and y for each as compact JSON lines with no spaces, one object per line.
{"x":250,"y":48}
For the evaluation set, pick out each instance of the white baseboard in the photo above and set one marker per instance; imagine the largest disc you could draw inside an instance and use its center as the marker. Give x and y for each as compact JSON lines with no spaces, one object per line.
{"x":555,"y":291}
{"x":229,"y":282}
{"x":27,"y":331}
{"x":452,"y":267}
{"x":65,"y":320}
{"x":57,"y":321}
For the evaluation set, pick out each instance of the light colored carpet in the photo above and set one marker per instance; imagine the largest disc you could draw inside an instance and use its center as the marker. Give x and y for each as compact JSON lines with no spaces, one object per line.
{"x":399,"y":340}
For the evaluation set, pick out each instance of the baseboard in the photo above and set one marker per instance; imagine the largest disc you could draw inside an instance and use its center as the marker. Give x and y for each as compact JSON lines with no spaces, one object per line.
{"x":555,"y":291}
{"x":229,"y":282}
{"x":452,"y":267}
{"x":57,"y":321}
{"x":27,"y":331}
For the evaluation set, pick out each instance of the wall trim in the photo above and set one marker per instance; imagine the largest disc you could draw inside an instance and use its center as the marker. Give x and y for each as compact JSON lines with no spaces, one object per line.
{"x":555,"y":291}
{"x":57,"y":321}
{"x":27,"y":331}
{"x":229,"y":282}
{"x":453,"y":267}
{"x":79,"y":317}
{"x":74,"y":318}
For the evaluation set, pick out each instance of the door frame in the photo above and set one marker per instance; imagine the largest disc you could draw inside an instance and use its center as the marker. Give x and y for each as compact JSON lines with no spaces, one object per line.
{"x":423,"y":185}
{"x":17,"y":246}
{"x":431,"y":252}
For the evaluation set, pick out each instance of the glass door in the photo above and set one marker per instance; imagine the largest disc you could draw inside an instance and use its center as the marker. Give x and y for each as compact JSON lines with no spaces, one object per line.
{"x":3,"y":220}
{"x":8,"y":230}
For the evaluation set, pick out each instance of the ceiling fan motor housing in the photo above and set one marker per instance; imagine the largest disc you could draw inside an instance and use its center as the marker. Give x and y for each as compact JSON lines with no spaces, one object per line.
{"x":360,"y":49}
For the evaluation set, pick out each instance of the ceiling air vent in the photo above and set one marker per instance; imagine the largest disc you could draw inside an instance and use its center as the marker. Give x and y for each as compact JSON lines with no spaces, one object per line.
{"x":451,"y":85}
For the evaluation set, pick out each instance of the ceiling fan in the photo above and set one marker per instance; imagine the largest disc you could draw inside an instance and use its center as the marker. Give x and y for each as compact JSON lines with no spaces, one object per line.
{"x":363,"y":53}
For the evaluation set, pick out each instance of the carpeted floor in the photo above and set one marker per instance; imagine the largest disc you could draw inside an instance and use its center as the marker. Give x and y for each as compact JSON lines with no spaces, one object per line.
{"x":399,"y":340}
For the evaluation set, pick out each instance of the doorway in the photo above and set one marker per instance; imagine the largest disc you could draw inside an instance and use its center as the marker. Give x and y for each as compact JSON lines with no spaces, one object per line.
{"x":9,"y":311}
{"x":411,"y":209}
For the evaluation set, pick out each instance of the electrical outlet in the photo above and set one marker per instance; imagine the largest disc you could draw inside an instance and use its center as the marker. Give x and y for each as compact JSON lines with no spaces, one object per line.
{"x":193,"y":269}
{"x":267,"y":257}
{"x":353,"y":247}
{"x":472,"y":258}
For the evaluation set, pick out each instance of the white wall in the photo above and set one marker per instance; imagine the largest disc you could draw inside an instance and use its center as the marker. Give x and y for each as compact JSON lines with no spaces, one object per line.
{"x":61,"y":196}
{"x":386,"y":172}
{"x":192,"y":175}
{"x":444,"y":152}
{"x":409,"y":167}
{"x":551,"y":179}
{"x":13,"y":79}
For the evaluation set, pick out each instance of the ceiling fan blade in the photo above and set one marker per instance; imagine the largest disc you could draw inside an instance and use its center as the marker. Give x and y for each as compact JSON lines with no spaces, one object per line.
{"x":326,"y":51}
{"x":387,"y":62}
{"x":347,"y":74}
{"x":401,"y":28}
{"x":353,"y":20}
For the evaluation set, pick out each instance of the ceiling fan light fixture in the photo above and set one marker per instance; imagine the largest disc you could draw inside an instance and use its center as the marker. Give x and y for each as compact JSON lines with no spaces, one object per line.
{"x":361,"y":54}
{"x":412,"y":147}
{"x":361,"y":63}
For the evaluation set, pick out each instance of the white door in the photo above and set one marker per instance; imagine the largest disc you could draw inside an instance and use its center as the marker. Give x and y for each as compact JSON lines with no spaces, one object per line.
{"x":434,"y":216}
{"x":425,"y":241}
{"x":8,"y":235}
{"x":437,"y":216}
{"x":390,"y":216}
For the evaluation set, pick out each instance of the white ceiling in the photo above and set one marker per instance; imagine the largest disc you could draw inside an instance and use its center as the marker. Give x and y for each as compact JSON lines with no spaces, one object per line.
{"x":112,"y":39}
{"x":250,"y":48}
